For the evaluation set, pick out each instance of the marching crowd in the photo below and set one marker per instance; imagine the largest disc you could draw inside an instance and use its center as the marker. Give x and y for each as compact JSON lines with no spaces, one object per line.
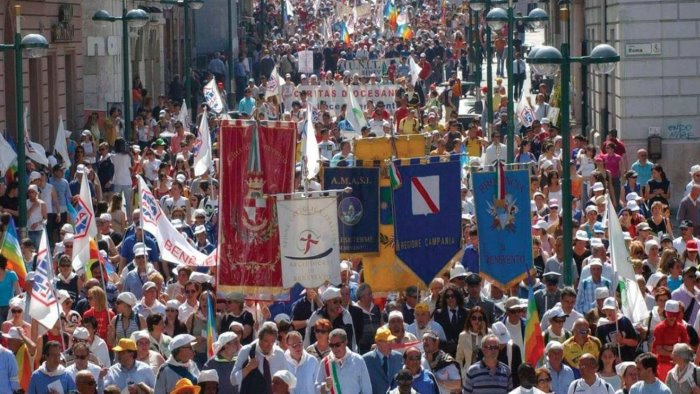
{"x":139,"y":324}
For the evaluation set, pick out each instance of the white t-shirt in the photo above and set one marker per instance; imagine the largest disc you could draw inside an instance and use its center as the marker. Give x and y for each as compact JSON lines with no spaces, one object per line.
{"x":122,"y":169}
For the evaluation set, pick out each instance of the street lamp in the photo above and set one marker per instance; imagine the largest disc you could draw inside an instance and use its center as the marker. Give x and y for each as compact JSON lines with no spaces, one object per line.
{"x":548,"y":60}
{"x":497,"y":18}
{"x":34,"y":46}
{"x":477,"y":6}
{"x":138,"y":19}
{"x":186,"y":4}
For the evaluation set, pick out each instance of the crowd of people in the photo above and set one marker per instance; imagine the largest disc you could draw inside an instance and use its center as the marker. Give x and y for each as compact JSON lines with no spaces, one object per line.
{"x":138,"y":324}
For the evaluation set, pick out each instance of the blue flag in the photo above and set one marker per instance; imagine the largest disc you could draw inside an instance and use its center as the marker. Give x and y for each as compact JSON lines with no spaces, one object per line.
{"x":427,"y":215}
{"x":358,"y":210}
{"x":503,"y":221}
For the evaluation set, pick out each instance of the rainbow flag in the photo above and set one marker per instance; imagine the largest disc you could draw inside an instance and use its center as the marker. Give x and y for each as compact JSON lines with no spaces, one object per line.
{"x":93,"y":259}
{"x":10,"y":173}
{"x":211,"y":318}
{"x":24,"y":366}
{"x":534,"y":343}
{"x":391,"y":13}
{"x":405,"y":32}
{"x":13,"y":253}
{"x":345,"y":34}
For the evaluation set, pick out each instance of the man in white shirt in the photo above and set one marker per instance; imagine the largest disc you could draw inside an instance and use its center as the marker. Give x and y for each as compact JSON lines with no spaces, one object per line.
{"x":590,"y":382}
{"x":495,"y":151}
{"x":342,"y":368}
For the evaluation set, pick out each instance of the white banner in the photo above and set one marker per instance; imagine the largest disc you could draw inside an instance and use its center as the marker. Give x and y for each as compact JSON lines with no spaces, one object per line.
{"x":361,"y":10}
{"x":336,"y":95}
{"x":44,"y":306}
{"x":85,"y":226}
{"x":309,"y":244}
{"x":306,"y":62}
{"x":212,"y":97}
{"x":368,"y":67}
{"x":172,"y":244}
{"x":202,"y":156}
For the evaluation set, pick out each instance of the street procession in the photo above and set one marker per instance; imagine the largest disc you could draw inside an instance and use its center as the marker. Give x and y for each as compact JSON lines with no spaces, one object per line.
{"x":349,"y":197}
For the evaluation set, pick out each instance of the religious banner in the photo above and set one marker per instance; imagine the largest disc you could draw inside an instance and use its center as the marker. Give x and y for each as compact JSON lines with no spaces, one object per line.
{"x":335,"y":96}
{"x":306,"y":61}
{"x":502,"y":202}
{"x":257,"y":163}
{"x":367,"y":67}
{"x":309,"y":247}
{"x":358,"y":209}
{"x":427,"y":215}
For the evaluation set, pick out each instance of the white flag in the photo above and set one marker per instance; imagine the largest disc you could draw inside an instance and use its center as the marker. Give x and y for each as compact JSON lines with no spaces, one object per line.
{"x":172,"y":244}
{"x":43,"y":305}
{"x":633,"y":302}
{"x":202,"y":159}
{"x":60,"y":146}
{"x":85,"y":226}
{"x":212,"y":97}
{"x":274,"y":83}
{"x":311,"y":153}
{"x":184,"y":115}
{"x":33,"y":150}
{"x":415,"y":70}
{"x":309,"y":244}
{"x":8,"y":156}
{"x":353,"y":112}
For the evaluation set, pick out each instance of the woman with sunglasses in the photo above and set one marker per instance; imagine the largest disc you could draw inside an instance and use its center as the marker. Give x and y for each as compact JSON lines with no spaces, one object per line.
{"x":66,"y":279}
{"x":452,"y":316}
{"x":475,"y":327}
{"x":16,"y":317}
{"x":544,"y":380}
{"x":321,"y":347}
{"x":172,"y":325}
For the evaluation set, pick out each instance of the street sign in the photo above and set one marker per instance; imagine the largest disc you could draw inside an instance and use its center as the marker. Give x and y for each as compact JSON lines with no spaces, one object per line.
{"x":643,"y":49}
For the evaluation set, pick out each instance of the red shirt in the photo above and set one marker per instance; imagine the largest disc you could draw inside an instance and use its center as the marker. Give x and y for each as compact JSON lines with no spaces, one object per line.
{"x":400,"y":114}
{"x":665,"y":335}
{"x":103,"y":318}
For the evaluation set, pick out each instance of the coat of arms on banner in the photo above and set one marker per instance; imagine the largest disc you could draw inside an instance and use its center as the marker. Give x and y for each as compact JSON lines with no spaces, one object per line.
{"x":503,"y":208}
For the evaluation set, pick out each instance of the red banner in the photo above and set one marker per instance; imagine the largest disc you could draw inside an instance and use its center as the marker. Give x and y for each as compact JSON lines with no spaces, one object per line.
{"x":257,"y":162}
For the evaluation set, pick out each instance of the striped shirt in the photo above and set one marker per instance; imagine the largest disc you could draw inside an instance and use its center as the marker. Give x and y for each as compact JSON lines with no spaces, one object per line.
{"x":482,"y":380}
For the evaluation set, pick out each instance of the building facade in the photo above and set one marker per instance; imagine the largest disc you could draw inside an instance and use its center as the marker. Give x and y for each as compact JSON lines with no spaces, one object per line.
{"x":53,"y":85}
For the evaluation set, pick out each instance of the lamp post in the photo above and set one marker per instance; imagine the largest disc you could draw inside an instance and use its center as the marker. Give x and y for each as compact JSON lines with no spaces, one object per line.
{"x":187,"y":5}
{"x":34,"y":46}
{"x":546,"y":61}
{"x":482,"y":5}
{"x":496,"y":19}
{"x":138,"y":18}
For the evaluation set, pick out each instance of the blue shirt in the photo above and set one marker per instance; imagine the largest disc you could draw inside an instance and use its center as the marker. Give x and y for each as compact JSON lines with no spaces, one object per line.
{"x":40,"y":380}
{"x":561,"y":380}
{"x":139,"y":372}
{"x":7,"y":287}
{"x":353,"y":376}
{"x":246,"y":105}
{"x":470,"y":259}
{"x":127,"y":249}
{"x":643,"y":171}
{"x":9,"y":379}
{"x":62,"y":191}
{"x":645,"y":388}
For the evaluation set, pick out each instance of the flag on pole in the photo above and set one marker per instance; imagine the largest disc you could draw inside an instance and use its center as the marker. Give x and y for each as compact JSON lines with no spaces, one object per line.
{"x":534,"y":343}
{"x":203,"y":159}
{"x":184,"y":115}
{"x":353,"y":112}
{"x":391,"y":14}
{"x":212,"y":96}
{"x":33,"y":150}
{"x":394,"y":176}
{"x":211,"y":318}
{"x":12,"y":251}
{"x":415,"y":70}
{"x":274,"y":83}
{"x":633,"y":302}
{"x":312,"y":155}
{"x":345,"y":33}
{"x":60,"y":146}
{"x":44,"y":305}
{"x":8,"y":156}
{"x":85,"y":226}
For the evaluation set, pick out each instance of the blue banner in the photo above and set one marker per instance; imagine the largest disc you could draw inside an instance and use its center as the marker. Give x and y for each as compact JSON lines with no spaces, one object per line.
{"x":427,"y":215}
{"x":505,"y":235}
{"x":358,"y":211}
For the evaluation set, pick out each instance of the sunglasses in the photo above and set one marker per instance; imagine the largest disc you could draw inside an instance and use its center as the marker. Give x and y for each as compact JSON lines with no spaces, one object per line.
{"x":16,"y":311}
{"x":559,"y":320}
{"x":336,"y":345}
{"x":171,"y":310}
{"x":413,"y":358}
